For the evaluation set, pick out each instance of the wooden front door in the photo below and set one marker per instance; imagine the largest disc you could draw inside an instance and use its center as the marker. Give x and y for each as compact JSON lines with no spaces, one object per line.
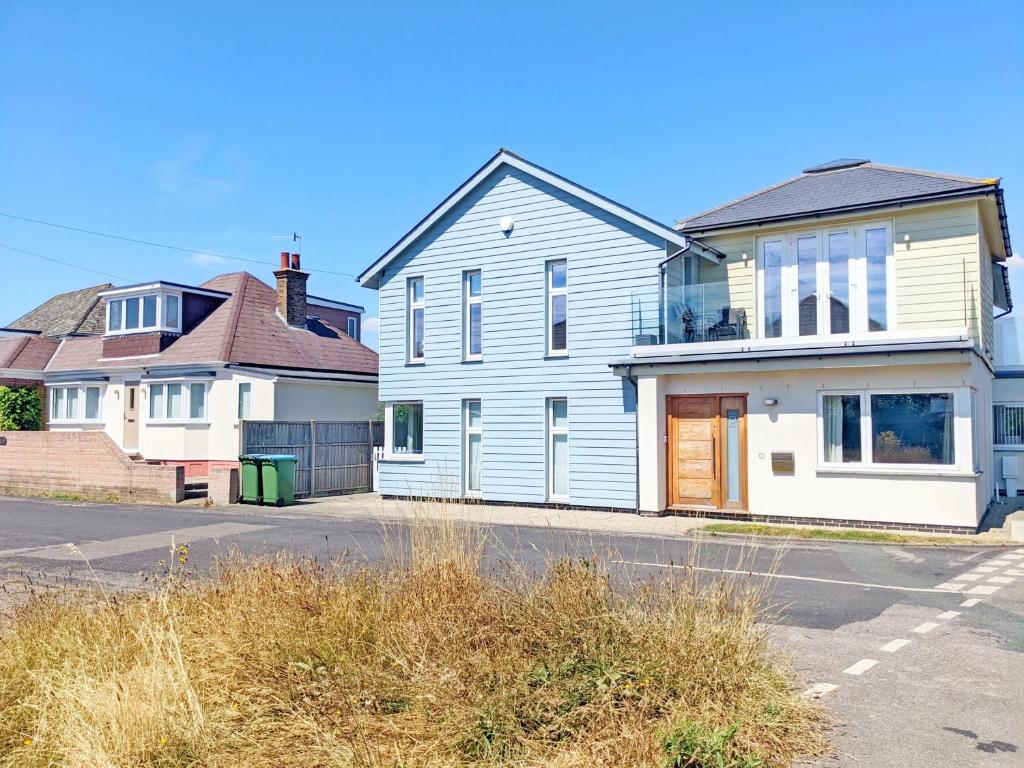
{"x":707,"y":464}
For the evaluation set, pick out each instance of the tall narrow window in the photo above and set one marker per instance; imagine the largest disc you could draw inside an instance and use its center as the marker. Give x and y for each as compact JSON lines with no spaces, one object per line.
{"x":417,"y":305}
{"x":71,"y":403}
{"x":114,"y":308}
{"x":771,"y":271}
{"x":149,"y":311}
{"x":839,"y":282}
{"x":807,"y":284}
{"x":171,"y":311}
{"x":174,"y":401}
{"x":57,"y":404}
{"x":197,"y":401}
{"x":876,"y":252}
{"x":353,"y":328}
{"x":157,"y":402}
{"x":472,"y":315}
{"x":131,"y":313}
{"x":558,"y":317}
{"x":92,"y":403}
{"x":244,"y":399}
{"x":558,"y":449}
{"x":473,"y":419}
{"x":842,"y":428}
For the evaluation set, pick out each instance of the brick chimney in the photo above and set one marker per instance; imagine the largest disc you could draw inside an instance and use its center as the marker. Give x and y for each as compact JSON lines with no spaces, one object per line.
{"x":291,"y":290}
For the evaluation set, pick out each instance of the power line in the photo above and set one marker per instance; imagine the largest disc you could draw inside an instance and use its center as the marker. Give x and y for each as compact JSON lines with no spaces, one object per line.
{"x":153,"y":244}
{"x":65,"y":263}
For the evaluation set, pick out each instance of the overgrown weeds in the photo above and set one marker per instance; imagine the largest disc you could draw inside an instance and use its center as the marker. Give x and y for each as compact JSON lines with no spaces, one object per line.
{"x":427,"y":661}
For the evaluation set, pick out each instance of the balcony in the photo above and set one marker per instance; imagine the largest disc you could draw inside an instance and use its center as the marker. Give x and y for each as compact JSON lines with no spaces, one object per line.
{"x":688,"y":314}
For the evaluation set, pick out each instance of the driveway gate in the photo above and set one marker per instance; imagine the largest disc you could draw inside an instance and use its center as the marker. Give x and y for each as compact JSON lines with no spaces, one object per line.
{"x":334,"y":457}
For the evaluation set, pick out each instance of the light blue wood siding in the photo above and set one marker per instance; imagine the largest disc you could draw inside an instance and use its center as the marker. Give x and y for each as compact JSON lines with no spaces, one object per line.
{"x":609,"y":261}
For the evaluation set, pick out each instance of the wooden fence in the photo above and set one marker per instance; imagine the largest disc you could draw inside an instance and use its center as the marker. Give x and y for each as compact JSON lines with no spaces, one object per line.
{"x":334,"y":457}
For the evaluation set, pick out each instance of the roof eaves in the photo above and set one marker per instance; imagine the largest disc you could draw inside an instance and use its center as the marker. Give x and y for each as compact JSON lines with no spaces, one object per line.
{"x":979,"y":190}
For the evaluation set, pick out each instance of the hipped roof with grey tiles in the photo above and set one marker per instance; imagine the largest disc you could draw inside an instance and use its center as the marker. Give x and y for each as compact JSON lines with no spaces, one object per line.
{"x":246,"y":330}
{"x":78,"y":311}
{"x":841,"y":185}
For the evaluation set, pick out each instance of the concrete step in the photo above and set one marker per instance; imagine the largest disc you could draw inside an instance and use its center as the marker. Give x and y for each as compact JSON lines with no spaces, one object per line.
{"x":197,"y":488}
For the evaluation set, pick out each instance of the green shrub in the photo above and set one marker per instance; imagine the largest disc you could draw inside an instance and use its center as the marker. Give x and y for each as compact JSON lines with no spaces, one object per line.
{"x":20,"y":409}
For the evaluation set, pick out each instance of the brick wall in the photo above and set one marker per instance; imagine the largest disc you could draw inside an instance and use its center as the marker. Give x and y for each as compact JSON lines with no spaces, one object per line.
{"x":136,"y":344}
{"x":84,"y":464}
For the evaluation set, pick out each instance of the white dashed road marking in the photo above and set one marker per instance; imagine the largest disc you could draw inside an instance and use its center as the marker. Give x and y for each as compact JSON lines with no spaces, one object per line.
{"x":820,"y":689}
{"x":894,"y":646}
{"x":983,"y":589}
{"x":928,"y":626}
{"x":970,"y":602}
{"x":969,"y":577}
{"x":1001,"y":580}
{"x":949,"y":615}
{"x":127,"y":545}
{"x":951,"y":586}
{"x":1012,"y":572}
{"x":860,"y":667}
{"x":1013,"y":557}
{"x":985,"y":569}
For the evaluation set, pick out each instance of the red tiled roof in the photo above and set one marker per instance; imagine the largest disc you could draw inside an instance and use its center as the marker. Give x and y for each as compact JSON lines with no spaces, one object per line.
{"x":245,"y":329}
{"x":26,"y":353}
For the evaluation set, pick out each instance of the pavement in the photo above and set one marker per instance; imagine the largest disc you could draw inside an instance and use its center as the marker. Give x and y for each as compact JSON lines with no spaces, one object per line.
{"x":918,"y":652}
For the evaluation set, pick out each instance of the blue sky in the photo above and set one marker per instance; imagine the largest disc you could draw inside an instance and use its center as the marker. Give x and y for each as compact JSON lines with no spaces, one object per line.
{"x":222,"y":126}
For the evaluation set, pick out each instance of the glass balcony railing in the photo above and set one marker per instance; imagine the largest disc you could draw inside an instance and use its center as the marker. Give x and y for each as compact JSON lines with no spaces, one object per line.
{"x":688,"y":314}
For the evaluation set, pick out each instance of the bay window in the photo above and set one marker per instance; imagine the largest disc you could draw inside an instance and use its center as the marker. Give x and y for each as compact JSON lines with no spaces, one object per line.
{"x":834,"y":280}
{"x":178,"y":401}
{"x":76,"y":403}
{"x":885,"y":428}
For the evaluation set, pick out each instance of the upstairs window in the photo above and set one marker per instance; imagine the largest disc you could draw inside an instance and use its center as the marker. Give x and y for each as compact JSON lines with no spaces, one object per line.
{"x":416,"y":308}
{"x":557,"y":308}
{"x":146,"y":312}
{"x":472,"y":313}
{"x":353,"y":328}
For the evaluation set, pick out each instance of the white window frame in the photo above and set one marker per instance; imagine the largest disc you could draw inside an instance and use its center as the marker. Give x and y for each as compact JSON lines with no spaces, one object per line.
{"x":963,"y":433}
{"x":238,"y":400}
{"x":552,"y":430}
{"x":412,"y":305}
{"x":1005,"y":446}
{"x":160,"y":314}
{"x":81,"y":388}
{"x":186,"y":402}
{"x":467,"y":431}
{"x":858,"y":275}
{"x":468,"y":301}
{"x":550,"y":292}
{"x":389,"y":434}
{"x":352,"y":325}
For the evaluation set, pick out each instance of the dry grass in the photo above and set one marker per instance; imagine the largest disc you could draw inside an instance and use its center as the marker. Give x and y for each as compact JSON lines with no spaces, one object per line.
{"x":427,"y":661}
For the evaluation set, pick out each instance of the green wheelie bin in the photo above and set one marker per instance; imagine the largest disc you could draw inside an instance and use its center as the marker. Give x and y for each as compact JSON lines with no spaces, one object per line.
{"x":277,"y":470}
{"x":250,"y":477}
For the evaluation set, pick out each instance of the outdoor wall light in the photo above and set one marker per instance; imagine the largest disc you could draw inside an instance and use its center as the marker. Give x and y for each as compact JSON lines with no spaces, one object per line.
{"x":506,"y":223}
{"x":771,"y":401}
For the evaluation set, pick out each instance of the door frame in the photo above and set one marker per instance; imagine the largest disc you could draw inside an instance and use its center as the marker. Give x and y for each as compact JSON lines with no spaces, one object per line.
{"x":719,"y":437}
{"x":126,"y":388}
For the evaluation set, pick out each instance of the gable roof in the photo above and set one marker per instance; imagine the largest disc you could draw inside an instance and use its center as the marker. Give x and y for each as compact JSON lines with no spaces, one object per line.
{"x":73,"y":312}
{"x":840,"y":186}
{"x":245,"y":330}
{"x":369,"y":278}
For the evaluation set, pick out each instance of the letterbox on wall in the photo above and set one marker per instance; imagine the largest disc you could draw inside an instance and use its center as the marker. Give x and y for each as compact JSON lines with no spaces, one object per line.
{"x":783,"y":463}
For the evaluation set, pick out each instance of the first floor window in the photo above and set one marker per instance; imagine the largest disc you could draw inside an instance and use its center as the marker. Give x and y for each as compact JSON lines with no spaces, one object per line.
{"x":1008,"y":424}
{"x":407,"y":428}
{"x":473,"y":419}
{"x":197,"y":401}
{"x":92,"y":403}
{"x":416,"y":306}
{"x":911,"y":428}
{"x":558,"y":448}
{"x":558,"y":307}
{"x":244,"y":399}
